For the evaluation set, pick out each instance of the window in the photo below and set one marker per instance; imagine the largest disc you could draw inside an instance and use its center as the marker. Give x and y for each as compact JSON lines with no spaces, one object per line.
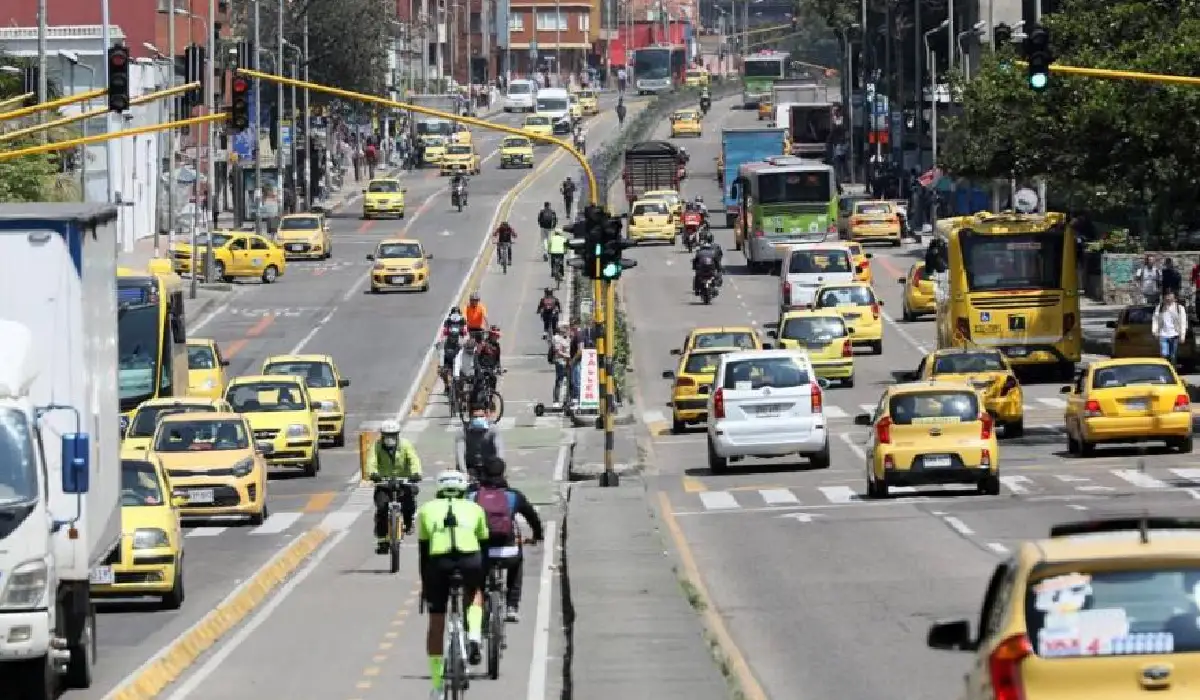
{"x":259,"y":244}
{"x":550,"y":21}
{"x":798,"y":186}
{"x":238,"y":244}
{"x":969,"y":363}
{"x":774,"y":372}
{"x":585,"y":22}
{"x":702,"y":362}
{"x":476,"y":23}
{"x":201,"y":357}
{"x":516,"y":23}
{"x":139,"y":484}
{"x":934,"y":407}
{"x":1131,"y":375}
{"x":202,"y":436}
{"x":813,"y":329}
{"x":845,"y":296}
{"x":1015,"y":262}
{"x":819,"y":262}
{"x":319,"y":375}
{"x":146,"y":420}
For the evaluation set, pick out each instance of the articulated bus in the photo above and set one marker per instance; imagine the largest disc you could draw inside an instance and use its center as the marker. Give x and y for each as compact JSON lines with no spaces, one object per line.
{"x":1011,"y":285}
{"x":788,"y":201}
{"x":151,"y":338}
{"x":658,"y":68}
{"x":759,"y":73}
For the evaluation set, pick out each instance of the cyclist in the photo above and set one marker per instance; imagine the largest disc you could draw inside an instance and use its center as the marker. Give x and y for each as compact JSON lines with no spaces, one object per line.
{"x":556,"y":245}
{"x":502,"y":503}
{"x":489,"y":350}
{"x":503,"y":238}
{"x":568,"y":194}
{"x":620,"y":111}
{"x":476,"y":314}
{"x":549,"y":308}
{"x":454,"y":332}
{"x":392,"y":456}
{"x":451,"y":531}
{"x":478,"y":442}
{"x":466,"y":364}
{"x":547,"y":220}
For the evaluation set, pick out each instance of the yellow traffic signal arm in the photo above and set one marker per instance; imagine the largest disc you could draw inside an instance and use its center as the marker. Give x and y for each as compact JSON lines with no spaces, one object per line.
{"x":14,"y":101}
{"x":100,"y":138}
{"x":8,"y":136}
{"x":1113,"y":74}
{"x":54,"y":104}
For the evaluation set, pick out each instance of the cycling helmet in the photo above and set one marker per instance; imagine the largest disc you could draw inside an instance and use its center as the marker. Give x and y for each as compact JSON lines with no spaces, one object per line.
{"x":451,"y":483}
{"x":548,"y":292}
{"x":494,"y":467}
{"x":474,"y":296}
{"x":390,"y":427}
{"x":494,"y":332}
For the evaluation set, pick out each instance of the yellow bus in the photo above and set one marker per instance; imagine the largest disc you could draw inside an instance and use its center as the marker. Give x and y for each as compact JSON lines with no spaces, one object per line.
{"x":1011,"y":284}
{"x":151,"y":338}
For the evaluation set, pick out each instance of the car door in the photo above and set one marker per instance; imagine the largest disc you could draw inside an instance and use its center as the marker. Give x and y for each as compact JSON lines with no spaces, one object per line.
{"x":239,"y":257}
{"x":992,"y":616}
{"x":260,"y":255}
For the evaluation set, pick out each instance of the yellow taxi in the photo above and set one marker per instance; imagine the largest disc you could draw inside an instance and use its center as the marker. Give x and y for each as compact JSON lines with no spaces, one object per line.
{"x":281,"y":413}
{"x":206,"y":368}
{"x":149,"y":560}
{"x":740,"y":337}
{"x":462,"y":135}
{"x":213,"y":462}
{"x":697,"y":369}
{"x":325,"y":385}
{"x":143,"y":421}
{"x":857,"y":303}
{"x":235,"y":254}
{"x":1042,"y":613}
{"x":696,"y":77}
{"x":460,"y":158}
{"x":927,"y":433}
{"x":991,"y":375}
{"x":516,"y":152}
{"x":589,"y":101}
{"x":686,"y":122}
{"x":1127,"y":400}
{"x":305,"y":236}
{"x":650,"y":219}
{"x":875,"y":220}
{"x":539,"y":124}
{"x":766,"y":109}
{"x":384,"y":196}
{"x":672,"y":198}
{"x":401,"y":264}
{"x":574,"y":108}
{"x":1132,"y":336}
{"x":825,"y":336}
{"x":434,"y":148}
{"x":862,"y":262}
{"x":918,"y":293}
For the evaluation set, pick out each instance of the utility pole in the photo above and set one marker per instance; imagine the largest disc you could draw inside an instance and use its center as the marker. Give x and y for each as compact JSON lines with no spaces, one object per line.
{"x":558,"y":18}
{"x":43,"y":87}
{"x":172,"y":116}
{"x":292,"y":135}
{"x":256,"y":126}
{"x":110,"y":149}
{"x":210,"y":103}
{"x":280,"y":165}
{"x":308,"y":154}
{"x":439,"y":30}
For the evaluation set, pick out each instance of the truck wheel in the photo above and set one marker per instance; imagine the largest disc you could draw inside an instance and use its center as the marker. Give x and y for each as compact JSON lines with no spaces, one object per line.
{"x":83,"y":653}
{"x":174,"y":599}
{"x":33,"y":679}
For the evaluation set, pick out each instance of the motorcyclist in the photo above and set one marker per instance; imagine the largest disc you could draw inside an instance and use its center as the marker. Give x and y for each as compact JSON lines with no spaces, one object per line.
{"x":568,"y":194}
{"x":621,"y":111}
{"x":392,"y":456}
{"x":478,"y":442}
{"x":549,"y":308}
{"x":458,"y":184}
{"x":705,"y":100}
{"x":503,"y":238}
{"x":699,"y":205}
{"x":547,"y":220}
{"x":705,"y":264}
{"x":556,"y":246}
{"x":503,"y":502}
{"x":580,"y":142}
{"x":454,"y":334}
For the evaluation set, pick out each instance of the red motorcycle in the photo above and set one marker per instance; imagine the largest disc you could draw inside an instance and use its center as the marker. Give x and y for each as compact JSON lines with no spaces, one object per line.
{"x":692,"y":222}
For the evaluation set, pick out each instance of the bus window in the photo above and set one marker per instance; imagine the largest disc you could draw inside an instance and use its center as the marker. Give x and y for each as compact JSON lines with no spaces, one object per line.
{"x":780,"y":188}
{"x":1012,"y":262}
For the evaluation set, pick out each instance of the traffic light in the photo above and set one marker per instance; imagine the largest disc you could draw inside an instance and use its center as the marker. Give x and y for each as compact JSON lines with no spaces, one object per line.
{"x":118,"y":78}
{"x":612,"y":245}
{"x":586,"y":247}
{"x":1002,"y":35}
{"x":239,"y":105}
{"x":1039,"y":56}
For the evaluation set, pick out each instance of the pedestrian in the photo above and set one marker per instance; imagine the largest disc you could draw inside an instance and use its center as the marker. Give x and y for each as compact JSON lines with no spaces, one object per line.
{"x":1149,"y":279}
{"x":1168,"y":325}
{"x":620,"y":111}
{"x":1171,"y":282}
{"x":560,"y":350}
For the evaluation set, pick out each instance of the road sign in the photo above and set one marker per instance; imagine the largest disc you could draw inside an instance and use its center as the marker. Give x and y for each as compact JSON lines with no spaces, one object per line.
{"x":1025,"y":201}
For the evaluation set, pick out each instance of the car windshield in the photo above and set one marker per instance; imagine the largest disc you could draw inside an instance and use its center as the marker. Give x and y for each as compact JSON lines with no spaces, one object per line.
{"x":201,"y":357}
{"x":774,"y":372}
{"x":146,"y":420}
{"x":722,"y":339}
{"x":668,"y":197}
{"x":267,"y":397}
{"x":391,"y":187}
{"x":519,"y":88}
{"x":702,"y":362}
{"x":817,"y":329}
{"x":587,"y":94}
{"x":18,"y":467}
{"x":399,"y":250}
{"x":855,"y":249}
{"x":537,"y":121}
{"x":933,"y":407}
{"x":1133,"y":374}
{"x":968,"y":362}
{"x":458,"y":150}
{"x":1125,"y":609}
{"x":319,"y":375}
{"x":139,"y":332}
{"x":650,"y":209}
{"x":873,"y":208}
{"x":819,"y":262}
{"x":686,"y":115}
{"x":551,"y":104}
{"x":202,"y":436}
{"x":845,"y":296}
{"x":301,"y":223}
{"x":139,"y":484}
{"x":1028,"y":261}
{"x":516,"y":143}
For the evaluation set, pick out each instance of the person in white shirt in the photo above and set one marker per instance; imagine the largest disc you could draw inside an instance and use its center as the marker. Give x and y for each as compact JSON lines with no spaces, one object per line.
{"x":1168,"y":325}
{"x":464,"y":362}
{"x":560,"y":350}
{"x":1149,"y":279}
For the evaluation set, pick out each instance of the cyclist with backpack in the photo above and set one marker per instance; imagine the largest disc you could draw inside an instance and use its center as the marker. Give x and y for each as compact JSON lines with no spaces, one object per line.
{"x":549,"y":308}
{"x":478,"y":442}
{"x":503,"y":504}
{"x":568,"y":194}
{"x":547,"y":220}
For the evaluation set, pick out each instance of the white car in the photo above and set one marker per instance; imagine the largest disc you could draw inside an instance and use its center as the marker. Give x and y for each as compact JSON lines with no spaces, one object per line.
{"x":808,"y":266}
{"x":521,"y":96}
{"x":766,"y":403}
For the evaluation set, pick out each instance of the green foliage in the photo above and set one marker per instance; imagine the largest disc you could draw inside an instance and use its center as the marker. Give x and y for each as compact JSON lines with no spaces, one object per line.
{"x":29,"y":178}
{"x":1111,"y":143}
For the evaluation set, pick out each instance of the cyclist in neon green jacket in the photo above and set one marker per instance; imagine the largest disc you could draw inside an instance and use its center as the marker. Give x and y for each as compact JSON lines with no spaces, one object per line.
{"x":390,"y":457}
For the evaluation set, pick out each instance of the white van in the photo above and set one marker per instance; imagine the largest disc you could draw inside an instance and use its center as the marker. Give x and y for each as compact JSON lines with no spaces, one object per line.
{"x":810,"y":265}
{"x":520,"y":96}
{"x":556,"y":104}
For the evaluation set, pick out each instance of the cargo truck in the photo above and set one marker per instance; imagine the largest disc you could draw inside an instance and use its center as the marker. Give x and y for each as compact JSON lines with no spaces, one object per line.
{"x":651,"y":165}
{"x":60,"y":514}
{"x":740,"y":146}
{"x":423,"y":127}
{"x":810,"y":112}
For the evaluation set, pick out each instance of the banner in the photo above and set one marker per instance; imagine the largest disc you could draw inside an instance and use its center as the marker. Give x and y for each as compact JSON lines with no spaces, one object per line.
{"x":589,"y":381}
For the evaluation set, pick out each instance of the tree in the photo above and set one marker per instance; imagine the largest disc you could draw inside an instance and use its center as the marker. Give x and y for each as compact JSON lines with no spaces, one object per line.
{"x":1109,"y":142}
{"x":33,"y":178}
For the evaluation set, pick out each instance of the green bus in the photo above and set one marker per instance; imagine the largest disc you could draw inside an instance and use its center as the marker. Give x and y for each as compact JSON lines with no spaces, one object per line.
{"x":759,"y":73}
{"x":788,"y":201}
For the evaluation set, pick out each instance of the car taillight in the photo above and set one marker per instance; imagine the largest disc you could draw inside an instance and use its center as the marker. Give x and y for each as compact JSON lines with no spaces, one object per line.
{"x":787,"y":292}
{"x":1092,"y":408}
{"x":883,"y":430}
{"x":875,"y":311}
{"x":857,"y":221}
{"x":818,"y":398}
{"x":1068,"y":323}
{"x":685,"y":381}
{"x":962,"y":327}
{"x":986,"y":425}
{"x":719,"y":404}
{"x":1182,"y":403}
{"x":847,"y":348}
{"x":758,"y":233}
{"x":865,"y":264}
{"x":985,"y":458}
{"x":1010,"y":384}
{"x":1004,"y":667}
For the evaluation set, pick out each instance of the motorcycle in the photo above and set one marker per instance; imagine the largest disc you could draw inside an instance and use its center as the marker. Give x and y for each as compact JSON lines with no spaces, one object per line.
{"x":458,"y":197}
{"x":692,"y":223}
{"x":708,"y":289}
{"x":705,"y":105}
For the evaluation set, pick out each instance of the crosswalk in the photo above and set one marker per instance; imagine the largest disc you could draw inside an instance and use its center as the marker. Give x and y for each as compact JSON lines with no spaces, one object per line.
{"x":1099,"y":483}
{"x":448,"y":425}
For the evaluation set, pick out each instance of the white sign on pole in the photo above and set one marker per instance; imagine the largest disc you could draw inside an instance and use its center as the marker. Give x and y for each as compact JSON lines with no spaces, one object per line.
{"x":589,"y":381}
{"x":1026,"y":201}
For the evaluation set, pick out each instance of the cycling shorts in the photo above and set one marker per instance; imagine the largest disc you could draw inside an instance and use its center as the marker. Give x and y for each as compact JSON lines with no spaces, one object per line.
{"x":436,"y":580}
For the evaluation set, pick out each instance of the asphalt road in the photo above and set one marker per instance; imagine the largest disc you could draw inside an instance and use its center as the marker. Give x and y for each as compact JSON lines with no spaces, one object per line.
{"x":828,"y":595}
{"x":343,"y":626}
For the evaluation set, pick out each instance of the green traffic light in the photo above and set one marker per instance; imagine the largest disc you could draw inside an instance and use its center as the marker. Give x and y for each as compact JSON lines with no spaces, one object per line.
{"x":611,"y":270}
{"x":1038,"y":81}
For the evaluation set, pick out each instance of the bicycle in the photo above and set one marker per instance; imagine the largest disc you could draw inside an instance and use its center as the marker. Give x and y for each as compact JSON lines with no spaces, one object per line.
{"x":495,"y":605}
{"x":556,"y":270}
{"x":455,"y":678}
{"x":396,"y":518}
{"x":504,"y":253}
{"x":493,"y":401}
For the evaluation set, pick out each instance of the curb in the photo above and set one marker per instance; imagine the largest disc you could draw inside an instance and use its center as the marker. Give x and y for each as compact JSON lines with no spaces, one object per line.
{"x":169,"y":664}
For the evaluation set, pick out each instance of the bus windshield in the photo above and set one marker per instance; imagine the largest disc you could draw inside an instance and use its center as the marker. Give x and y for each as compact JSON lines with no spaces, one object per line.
{"x":802,"y":187}
{"x":652,"y":64}
{"x":1023,"y":261}
{"x":763,"y":69}
{"x":139,"y":333}
{"x":435,"y":127}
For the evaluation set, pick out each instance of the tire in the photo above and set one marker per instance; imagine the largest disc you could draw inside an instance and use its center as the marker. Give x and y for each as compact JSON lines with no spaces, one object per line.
{"x":83,"y":653}
{"x":496,"y":399}
{"x":495,"y":635}
{"x":1014,"y":429}
{"x":1073,"y":446}
{"x":877,"y":347}
{"x":1184,"y":445}
{"x":260,"y":517}
{"x":908,"y":316}
{"x":1086,"y":449}
{"x":877,"y":490}
{"x":219,"y":271}
{"x":339,"y":440}
{"x":990,"y":485}
{"x":677,"y":426}
{"x":716,"y":463}
{"x":848,"y":383}
{"x":270,"y":275}
{"x":174,"y":599}
{"x":314,"y":466}
{"x":32,"y":679}
{"x":820,"y":460}
{"x":394,"y":545}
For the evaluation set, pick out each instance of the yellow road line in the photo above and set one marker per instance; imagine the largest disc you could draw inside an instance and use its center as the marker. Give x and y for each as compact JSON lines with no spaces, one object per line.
{"x":319,"y":502}
{"x":170,"y":664}
{"x":693,"y":485}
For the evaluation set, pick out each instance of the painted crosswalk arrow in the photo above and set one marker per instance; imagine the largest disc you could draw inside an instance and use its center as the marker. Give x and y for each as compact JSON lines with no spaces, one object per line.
{"x":801,"y":517}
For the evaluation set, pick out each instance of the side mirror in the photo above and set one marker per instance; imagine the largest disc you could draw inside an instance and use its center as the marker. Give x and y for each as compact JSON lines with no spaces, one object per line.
{"x":429,"y":256}
{"x":403,"y":190}
{"x":370,"y":256}
{"x":668,"y":374}
{"x":1111,"y":324}
{"x":676,"y":351}
{"x":178,"y":501}
{"x":704,"y":389}
{"x":343,"y":383}
{"x":1066,"y":390}
{"x":902,"y":280}
{"x":264,"y":448}
{"x":862,"y":419}
{"x":849,"y":331}
{"x":823,"y":382}
{"x":76,"y":457}
{"x":772,"y":333}
{"x":224,"y":363}
{"x":952,"y":635}
{"x":868,"y":256}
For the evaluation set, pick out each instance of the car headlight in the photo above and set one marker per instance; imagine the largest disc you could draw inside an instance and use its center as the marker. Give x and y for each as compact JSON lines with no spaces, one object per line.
{"x":243,"y":467}
{"x":150,"y":538}
{"x":26,"y":587}
{"x":328,"y":406}
{"x":297,"y":430}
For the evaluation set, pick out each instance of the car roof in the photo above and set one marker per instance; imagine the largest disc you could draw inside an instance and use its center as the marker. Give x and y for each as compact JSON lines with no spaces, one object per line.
{"x":657,"y":193}
{"x":178,"y":401}
{"x":215,"y":415}
{"x":811,"y":313}
{"x":1125,"y":361}
{"x":1120,"y":544}
{"x":720,"y":329}
{"x":298,"y":358}
{"x":266,"y":379}
{"x":384,"y":179}
{"x":927,"y":385}
{"x":741,"y":354}
{"x":647,"y":201}
{"x":847,"y":283}
{"x":399,"y":240}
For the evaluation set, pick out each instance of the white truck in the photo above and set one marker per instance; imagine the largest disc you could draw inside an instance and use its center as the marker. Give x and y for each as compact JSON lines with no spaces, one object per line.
{"x":60,"y":515}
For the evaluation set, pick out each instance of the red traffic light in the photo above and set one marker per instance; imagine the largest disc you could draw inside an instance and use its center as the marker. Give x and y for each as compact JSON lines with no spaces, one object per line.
{"x":118,"y":59}
{"x":240,"y":85}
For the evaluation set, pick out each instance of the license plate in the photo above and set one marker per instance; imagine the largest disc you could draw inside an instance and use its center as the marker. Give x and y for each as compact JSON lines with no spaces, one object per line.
{"x":295,"y":247}
{"x":1137,"y":405}
{"x":200,"y":496}
{"x":102,"y":576}
{"x":1016,"y":352}
{"x":937,"y":462}
{"x":398,"y":279}
{"x":769,"y":411}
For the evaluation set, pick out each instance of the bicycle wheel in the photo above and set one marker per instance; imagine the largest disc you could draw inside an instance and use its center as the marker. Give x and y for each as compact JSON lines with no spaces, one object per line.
{"x":454,"y":679}
{"x":495,"y":632}
{"x":452,"y":399}
{"x":495,"y":406}
{"x":395,"y":535}
{"x":504,"y":260}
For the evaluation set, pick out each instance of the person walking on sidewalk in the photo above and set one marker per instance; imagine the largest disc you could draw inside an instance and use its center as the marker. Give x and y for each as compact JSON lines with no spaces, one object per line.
{"x":1169,"y":324}
{"x":1149,"y":279}
{"x":560,"y":352}
{"x":1171,"y":281}
{"x":621,"y":112}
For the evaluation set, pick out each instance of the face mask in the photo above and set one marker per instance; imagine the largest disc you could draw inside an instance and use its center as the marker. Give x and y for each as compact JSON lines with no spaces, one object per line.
{"x":390,"y":442}
{"x":479,"y":423}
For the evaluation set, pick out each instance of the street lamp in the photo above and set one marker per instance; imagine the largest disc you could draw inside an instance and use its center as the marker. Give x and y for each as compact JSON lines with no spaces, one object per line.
{"x":975,"y":31}
{"x":933,"y":96}
{"x":73,"y":59}
{"x":210,"y":107}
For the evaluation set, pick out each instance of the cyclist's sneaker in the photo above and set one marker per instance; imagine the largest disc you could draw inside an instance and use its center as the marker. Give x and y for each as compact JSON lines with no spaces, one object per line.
{"x":382,"y":547}
{"x":474,"y":654}
{"x":512,"y":615}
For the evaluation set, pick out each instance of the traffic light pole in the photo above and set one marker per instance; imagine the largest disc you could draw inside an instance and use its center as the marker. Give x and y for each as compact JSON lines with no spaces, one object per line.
{"x":608,"y":393}
{"x":1111,"y":74}
{"x":13,"y":101}
{"x":101,"y":138}
{"x":144,"y":99}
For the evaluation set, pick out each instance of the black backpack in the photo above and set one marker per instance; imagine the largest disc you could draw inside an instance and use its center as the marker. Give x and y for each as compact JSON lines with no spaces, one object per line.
{"x":547,"y":219}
